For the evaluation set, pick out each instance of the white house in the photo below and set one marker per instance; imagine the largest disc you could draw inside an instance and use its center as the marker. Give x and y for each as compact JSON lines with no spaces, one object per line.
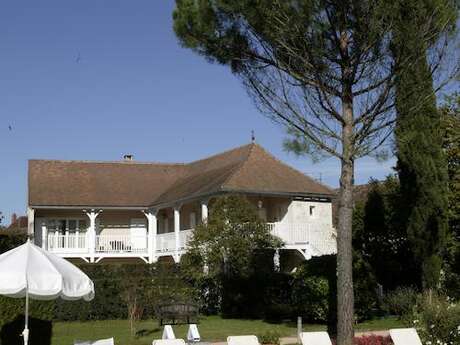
{"x":97,"y":211}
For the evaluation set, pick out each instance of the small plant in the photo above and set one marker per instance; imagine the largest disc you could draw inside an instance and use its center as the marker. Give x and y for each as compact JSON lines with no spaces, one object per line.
{"x":436,"y":319}
{"x":270,"y":337}
{"x":401,"y":301}
{"x":370,"y":340}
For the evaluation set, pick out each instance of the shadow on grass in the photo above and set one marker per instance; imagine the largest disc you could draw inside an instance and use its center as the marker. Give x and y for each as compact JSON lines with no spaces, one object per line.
{"x":146,"y":332}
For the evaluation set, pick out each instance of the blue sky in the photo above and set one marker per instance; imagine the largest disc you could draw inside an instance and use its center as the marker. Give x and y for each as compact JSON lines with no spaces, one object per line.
{"x":96,"y":79}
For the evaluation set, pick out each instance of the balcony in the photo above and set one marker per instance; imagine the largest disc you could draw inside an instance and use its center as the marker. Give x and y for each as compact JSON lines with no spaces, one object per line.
{"x":319,"y":239}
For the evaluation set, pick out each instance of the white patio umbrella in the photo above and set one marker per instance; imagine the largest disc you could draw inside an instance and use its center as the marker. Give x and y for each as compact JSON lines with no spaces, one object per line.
{"x":31,"y":272}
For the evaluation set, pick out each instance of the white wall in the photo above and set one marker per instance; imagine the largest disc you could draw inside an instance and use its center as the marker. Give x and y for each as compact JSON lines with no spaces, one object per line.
{"x":297,"y":211}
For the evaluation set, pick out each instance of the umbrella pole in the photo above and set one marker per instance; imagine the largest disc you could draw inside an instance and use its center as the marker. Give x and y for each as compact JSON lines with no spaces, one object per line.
{"x":25,"y":333}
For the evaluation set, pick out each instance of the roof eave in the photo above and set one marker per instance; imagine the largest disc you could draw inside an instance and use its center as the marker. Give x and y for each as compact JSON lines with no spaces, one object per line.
{"x":82,"y":207}
{"x":303,"y":195}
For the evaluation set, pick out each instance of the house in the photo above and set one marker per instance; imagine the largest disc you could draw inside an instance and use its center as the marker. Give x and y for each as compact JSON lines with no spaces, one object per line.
{"x":96,"y":210}
{"x":18,"y":224}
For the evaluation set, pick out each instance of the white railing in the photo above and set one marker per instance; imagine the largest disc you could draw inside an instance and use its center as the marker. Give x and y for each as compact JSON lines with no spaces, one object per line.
{"x":121,"y":244}
{"x":167,"y":242}
{"x":319,"y":236}
{"x":294,"y":235}
{"x":66,"y":243}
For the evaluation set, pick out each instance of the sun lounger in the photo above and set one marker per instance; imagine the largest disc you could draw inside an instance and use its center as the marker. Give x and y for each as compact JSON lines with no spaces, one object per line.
{"x":97,"y":342}
{"x":243,"y":340}
{"x":315,"y":338}
{"x":169,"y":342}
{"x":405,"y":336}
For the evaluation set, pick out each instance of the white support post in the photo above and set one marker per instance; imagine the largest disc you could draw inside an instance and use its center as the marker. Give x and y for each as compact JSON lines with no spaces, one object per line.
{"x":204,"y":211}
{"x":152,"y":235}
{"x":30,"y":221}
{"x":44,"y":235}
{"x":92,"y":215}
{"x":177,"y":232}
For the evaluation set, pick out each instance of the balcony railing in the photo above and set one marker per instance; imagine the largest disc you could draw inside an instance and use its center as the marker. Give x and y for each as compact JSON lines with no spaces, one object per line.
{"x":319,"y":236}
{"x":294,"y":235}
{"x":69,"y":242}
{"x":121,"y":244}
{"x":167,"y":242}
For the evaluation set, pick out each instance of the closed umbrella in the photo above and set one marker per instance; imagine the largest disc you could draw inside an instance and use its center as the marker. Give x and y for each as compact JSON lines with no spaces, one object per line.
{"x":28,"y":271}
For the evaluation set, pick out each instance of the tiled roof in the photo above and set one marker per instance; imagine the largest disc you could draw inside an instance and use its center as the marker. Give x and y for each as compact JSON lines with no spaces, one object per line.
{"x":247,"y":168}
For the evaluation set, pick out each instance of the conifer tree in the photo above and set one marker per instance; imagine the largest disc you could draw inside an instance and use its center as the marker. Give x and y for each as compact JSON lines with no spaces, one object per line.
{"x":323,"y":69}
{"x":421,"y":163}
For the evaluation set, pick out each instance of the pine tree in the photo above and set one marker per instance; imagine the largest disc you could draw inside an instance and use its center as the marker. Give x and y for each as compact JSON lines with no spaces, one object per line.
{"x":321,"y":69}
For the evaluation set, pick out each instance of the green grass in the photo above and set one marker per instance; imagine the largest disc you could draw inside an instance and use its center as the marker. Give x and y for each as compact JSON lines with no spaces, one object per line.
{"x":212,"y":328}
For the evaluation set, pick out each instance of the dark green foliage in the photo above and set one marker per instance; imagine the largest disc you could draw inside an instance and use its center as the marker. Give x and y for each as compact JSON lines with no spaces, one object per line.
{"x":380,"y":238}
{"x":237,"y":248}
{"x":231,"y":241}
{"x":310,"y":291}
{"x":155,"y":284}
{"x":450,"y":120}
{"x":421,"y":164}
{"x":40,"y":332}
{"x":270,"y":337}
{"x":9,"y":241}
{"x":400,"y":301}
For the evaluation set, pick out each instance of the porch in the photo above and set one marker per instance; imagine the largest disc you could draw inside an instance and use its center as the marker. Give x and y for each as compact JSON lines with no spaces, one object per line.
{"x":95,"y":234}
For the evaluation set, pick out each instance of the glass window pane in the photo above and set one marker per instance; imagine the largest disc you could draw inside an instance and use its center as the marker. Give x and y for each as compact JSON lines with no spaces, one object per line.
{"x":82,"y":224}
{"x":72,"y":224}
{"x":51,"y":224}
{"x":61,"y":224}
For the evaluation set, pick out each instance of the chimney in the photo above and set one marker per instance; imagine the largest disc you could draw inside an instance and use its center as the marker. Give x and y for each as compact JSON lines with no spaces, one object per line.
{"x":128,"y":158}
{"x":14,"y":218}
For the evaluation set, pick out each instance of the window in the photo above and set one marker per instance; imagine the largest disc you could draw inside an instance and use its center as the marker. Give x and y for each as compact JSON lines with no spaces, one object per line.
{"x":62,"y":225}
{"x":312,"y":211}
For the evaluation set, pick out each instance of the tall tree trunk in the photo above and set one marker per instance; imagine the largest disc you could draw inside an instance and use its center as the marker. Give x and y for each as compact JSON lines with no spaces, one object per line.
{"x":345,"y":297}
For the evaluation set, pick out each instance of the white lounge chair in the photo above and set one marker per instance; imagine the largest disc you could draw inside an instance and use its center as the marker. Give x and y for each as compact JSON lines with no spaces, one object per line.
{"x":97,"y":342}
{"x":243,"y":340}
{"x":169,"y":342}
{"x":405,"y":336}
{"x":315,"y":338}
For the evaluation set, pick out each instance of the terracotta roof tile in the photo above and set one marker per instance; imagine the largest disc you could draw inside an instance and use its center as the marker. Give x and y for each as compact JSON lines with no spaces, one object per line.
{"x":247,"y":168}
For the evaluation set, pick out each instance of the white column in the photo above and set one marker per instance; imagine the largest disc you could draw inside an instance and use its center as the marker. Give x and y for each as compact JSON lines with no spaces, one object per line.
{"x":44,"y":235}
{"x":152,"y":235}
{"x":92,"y":233}
{"x":30,"y":221}
{"x":176,"y":232}
{"x":204,"y":211}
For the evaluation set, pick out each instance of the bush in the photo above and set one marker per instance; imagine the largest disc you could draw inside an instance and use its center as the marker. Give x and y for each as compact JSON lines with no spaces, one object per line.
{"x":270,"y":337}
{"x":401,"y":301}
{"x":372,"y":340}
{"x":156,"y":285}
{"x":9,"y":241}
{"x":310,"y":296}
{"x":436,"y":318}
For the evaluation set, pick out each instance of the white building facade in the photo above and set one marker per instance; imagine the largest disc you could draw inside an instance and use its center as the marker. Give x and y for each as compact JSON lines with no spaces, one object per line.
{"x":126,"y":210}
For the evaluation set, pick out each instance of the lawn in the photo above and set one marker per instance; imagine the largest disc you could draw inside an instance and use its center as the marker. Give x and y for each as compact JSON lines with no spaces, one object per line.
{"x":212,"y":328}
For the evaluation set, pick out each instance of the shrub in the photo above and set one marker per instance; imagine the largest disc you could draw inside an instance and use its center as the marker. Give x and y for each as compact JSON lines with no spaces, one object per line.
{"x":310,"y":295}
{"x":372,"y":340}
{"x":270,"y":337}
{"x":401,"y":301}
{"x":436,"y":318}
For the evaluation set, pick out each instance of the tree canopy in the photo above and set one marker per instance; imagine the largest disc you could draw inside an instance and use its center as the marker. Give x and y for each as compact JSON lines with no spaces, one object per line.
{"x":227,"y":242}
